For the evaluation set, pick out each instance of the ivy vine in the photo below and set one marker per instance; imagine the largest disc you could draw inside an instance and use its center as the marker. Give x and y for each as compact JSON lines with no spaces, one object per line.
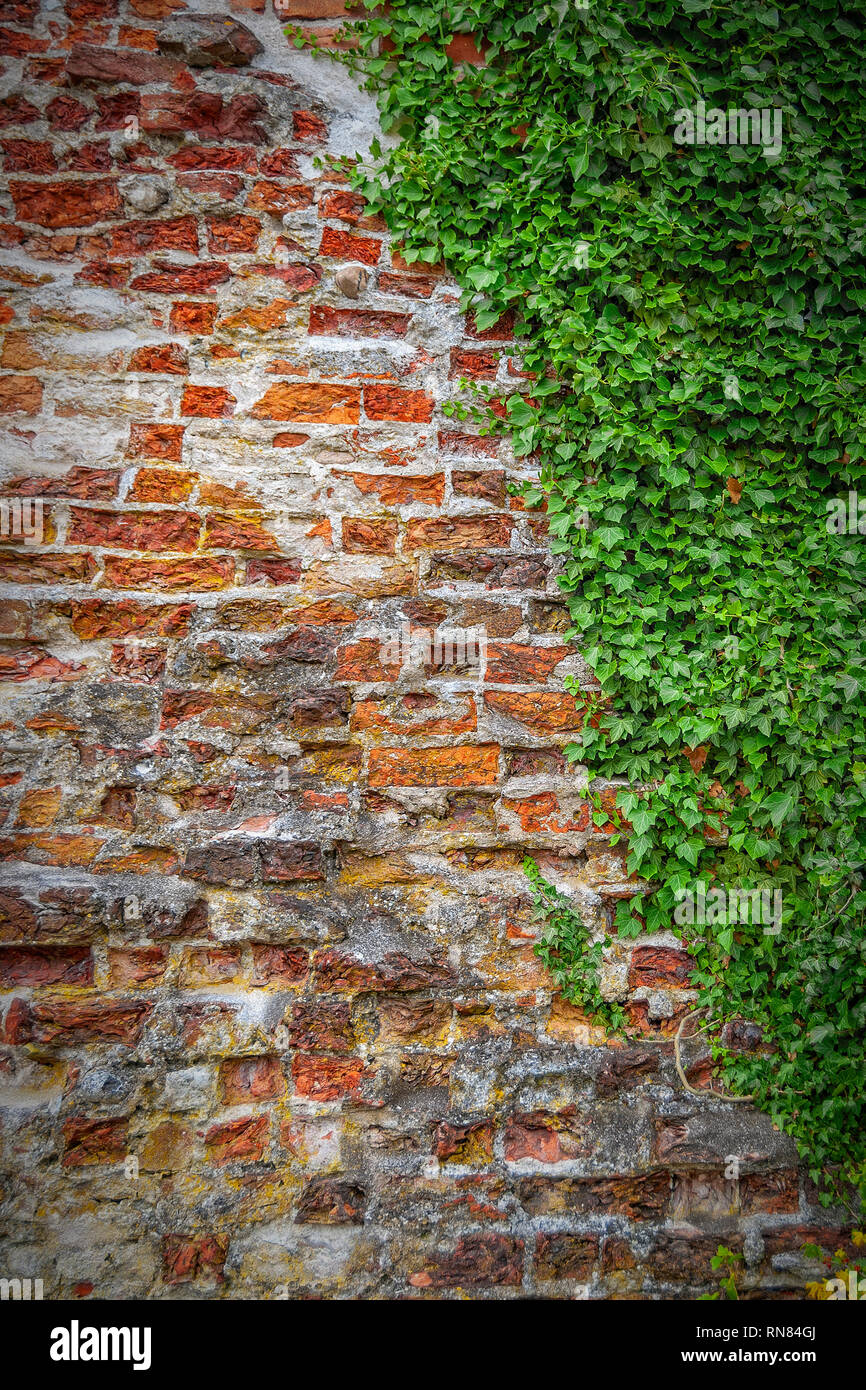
{"x":691,"y":315}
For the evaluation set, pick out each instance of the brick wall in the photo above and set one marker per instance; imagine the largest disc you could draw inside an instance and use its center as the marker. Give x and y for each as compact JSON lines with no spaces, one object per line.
{"x":271,"y":1019}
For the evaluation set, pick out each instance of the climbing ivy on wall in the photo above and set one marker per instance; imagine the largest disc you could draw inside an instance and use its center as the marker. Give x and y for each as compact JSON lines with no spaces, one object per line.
{"x":692,"y":314}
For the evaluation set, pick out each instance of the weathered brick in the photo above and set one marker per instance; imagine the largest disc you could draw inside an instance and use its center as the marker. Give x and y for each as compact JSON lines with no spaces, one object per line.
{"x":155,"y":531}
{"x":478,"y":1260}
{"x":358,"y":323}
{"x":346,"y":246}
{"x":93,"y":1141}
{"x":469,"y":766}
{"x":67,"y":1022}
{"x":237,"y":233}
{"x":373,"y":537}
{"x":213,"y":402}
{"x":332,"y":1202}
{"x":237,"y":1141}
{"x":20,"y":395}
{"x":327,"y":1078}
{"x":660,"y":965}
{"x":561,"y":1255}
{"x":278,"y":965}
{"x":459,"y":533}
{"x":544,"y":711}
{"x":155,"y":234}
{"x":156,"y":441}
{"x":639,"y":1197}
{"x":245,"y":1080}
{"x":395,"y":403}
{"x":35,"y":966}
{"x":335,"y":405}
{"x":192,"y":318}
{"x":65,"y":204}
{"x":192,"y":279}
{"x":187,"y":1258}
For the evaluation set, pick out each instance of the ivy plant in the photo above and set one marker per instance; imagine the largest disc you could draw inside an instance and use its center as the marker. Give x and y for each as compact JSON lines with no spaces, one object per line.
{"x":691,"y":315}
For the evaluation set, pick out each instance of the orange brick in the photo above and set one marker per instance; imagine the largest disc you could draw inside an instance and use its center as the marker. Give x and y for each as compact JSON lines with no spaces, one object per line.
{"x":467,"y":766}
{"x":335,"y":405}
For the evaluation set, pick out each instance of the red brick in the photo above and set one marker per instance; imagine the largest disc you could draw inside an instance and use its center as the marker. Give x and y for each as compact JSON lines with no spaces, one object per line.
{"x":468,"y":766}
{"x":311,"y":9}
{"x":358,"y":323}
{"x":94,"y":1020}
{"x":94,"y":1141}
{"x":194,"y":157}
{"x":47,"y":569}
{"x":17,"y":110}
{"x":470,"y":1143}
{"x":309,"y":403}
{"x":92,"y":158}
{"x":279,"y":164}
{"x":227,"y":234}
{"x":86,"y":61}
{"x":45,"y":965}
{"x":348,"y":247}
{"x":20,"y":395}
{"x":237,"y":533}
{"x":464,"y":49}
{"x":186,"y":1258}
{"x":395,"y":491}
{"x":459,"y":533}
{"x":772,"y":1193}
{"x":512,"y":663}
{"x":278,"y":198}
{"x":561,"y":1255}
{"x":114,"y":110}
{"x":14,"y":44}
{"x":225,"y":187}
{"x":414,"y":286}
{"x":361,"y":537}
{"x":213,"y":402}
{"x":453,"y":442}
{"x":363,"y":661}
{"x":542,"y":710}
{"x":191,"y":279}
{"x":136,"y":965}
{"x":166,"y":234}
{"x":477,"y":363}
{"x":188,"y":573}
{"x":328,"y":36}
{"x":192,"y":318}
{"x":205,"y":115}
{"x":167,"y":359}
{"x":479,"y":1260}
{"x":28,"y":156}
{"x":154,"y":531}
{"x":121,"y":617}
{"x":298,"y":276}
{"x":307,"y":126}
{"x":65,"y":113}
{"x":280,"y":965}
{"x":503,"y":328}
{"x":394,"y":403}
{"x":344,"y":206}
{"x":660,"y":965}
{"x":278,"y":572}
{"x":238,"y":1141}
{"x":298,"y":861}
{"x":327,"y":1078}
{"x":245,"y":1080}
{"x":108,"y":275}
{"x":157,"y":441}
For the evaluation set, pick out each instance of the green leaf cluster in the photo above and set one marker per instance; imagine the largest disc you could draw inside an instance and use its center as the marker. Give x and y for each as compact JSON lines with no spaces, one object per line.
{"x":696,"y":409}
